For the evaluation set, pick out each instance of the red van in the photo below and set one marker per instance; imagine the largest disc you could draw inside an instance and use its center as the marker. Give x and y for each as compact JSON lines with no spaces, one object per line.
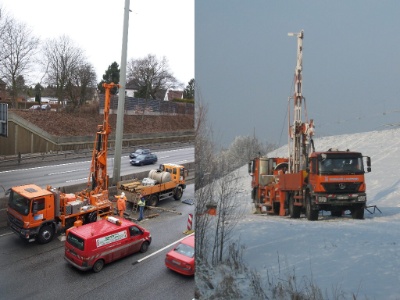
{"x":93,"y":245}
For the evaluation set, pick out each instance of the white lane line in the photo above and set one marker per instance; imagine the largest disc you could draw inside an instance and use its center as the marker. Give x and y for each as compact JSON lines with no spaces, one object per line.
{"x":162,"y":249}
{"x":8,"y":233}
{"x":72,"y":180}
{"x":42,"y":167}
{"x":64,"y":172}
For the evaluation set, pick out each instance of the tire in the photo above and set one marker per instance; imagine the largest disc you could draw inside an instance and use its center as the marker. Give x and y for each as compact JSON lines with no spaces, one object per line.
{"x":98,"y":266}
{"x":311,"y":214}
{"x":91,"y":217}
{"x":294,"y":211}
{"x":276,"y":206}
{"x":336,"y":213}
{"x":46,"y":234}
{"x":152,"y":201}
{"x":144,"y":247}
{"x":178,"y":193}
{"x":358,"y":212}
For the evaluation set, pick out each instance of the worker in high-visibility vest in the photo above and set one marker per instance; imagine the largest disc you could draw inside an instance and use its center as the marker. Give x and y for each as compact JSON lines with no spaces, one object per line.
{"x":141,"y":204}
{"x":121,"y":204}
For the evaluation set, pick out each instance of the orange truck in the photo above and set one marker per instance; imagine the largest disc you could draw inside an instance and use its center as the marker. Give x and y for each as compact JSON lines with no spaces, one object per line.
{"x":308,"y":181}
{"x":35,"y":213}
{"x":165,"y":182}
{"x":332,"y":181}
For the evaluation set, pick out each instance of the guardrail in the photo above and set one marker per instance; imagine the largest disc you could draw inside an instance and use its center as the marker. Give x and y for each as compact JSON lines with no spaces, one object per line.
{"x":32,"y":158}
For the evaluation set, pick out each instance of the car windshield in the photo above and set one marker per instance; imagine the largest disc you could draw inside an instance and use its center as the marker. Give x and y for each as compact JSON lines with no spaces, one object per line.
{"x":141,"y":157}
{"x":185,"y":250}
{"x":19,"y":203}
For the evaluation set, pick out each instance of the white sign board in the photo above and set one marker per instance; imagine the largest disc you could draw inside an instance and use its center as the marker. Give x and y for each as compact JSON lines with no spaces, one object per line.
{"x":111,"y":238}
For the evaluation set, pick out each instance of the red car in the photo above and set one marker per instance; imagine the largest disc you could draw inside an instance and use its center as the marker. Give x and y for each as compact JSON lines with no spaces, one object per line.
{"x":181,"y":258}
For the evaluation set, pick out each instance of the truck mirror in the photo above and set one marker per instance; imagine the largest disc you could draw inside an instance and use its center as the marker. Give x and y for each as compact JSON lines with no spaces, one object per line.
{"x":368,"y":164}
{"x":34,"y":207}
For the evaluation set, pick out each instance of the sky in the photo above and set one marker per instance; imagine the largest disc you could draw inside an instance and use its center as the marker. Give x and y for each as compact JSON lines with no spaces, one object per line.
{"x":159,"y":27}
{"x":338,"y":254}
{"x":245,"y":63}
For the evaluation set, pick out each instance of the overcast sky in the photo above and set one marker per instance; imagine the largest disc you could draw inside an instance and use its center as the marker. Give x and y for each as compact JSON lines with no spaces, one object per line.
{"x":245,"y":65}
{"x":163,"y":28}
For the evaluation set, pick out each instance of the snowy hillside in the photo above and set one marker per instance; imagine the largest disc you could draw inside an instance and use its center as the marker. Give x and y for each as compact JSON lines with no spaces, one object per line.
{"x":341,"y":255}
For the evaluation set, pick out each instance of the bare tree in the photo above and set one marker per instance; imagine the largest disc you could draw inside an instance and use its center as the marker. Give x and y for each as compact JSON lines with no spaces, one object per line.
{"x":214,"y":187}
{"x":229,"y":212}
{"x":150,"y":76}
{"x":17,"y":50}
{"x":62,"y":60}
{"x":243,"y":149}
{"x":204,"y":156}
{"x":81,"y":85}
{"x":4,"y":20}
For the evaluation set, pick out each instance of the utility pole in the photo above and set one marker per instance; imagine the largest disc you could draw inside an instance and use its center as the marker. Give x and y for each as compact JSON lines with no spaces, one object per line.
{"x":119,"y":131}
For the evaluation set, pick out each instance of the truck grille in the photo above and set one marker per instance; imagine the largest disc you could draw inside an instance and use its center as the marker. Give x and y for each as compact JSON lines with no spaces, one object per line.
{"x":341,"y":187}
{"x":15,"y":221}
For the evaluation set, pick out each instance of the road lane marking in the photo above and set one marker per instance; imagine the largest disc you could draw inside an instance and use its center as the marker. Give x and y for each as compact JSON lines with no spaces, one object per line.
{"x":8,"y":233}
{"x":64,"y":172}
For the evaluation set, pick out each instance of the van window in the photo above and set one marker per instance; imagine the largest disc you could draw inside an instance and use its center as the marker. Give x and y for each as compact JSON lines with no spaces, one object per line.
{"x":76,"y":241}
{"x":134,"y":231}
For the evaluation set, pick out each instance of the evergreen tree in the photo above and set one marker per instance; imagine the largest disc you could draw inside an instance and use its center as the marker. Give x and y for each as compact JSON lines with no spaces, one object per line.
{"x":188,"y":93}
{"x":38,"y":93}
{"x":111,"y":75}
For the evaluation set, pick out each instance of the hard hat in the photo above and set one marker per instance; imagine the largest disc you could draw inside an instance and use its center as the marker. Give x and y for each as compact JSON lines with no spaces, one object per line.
{"x":122,"y":194}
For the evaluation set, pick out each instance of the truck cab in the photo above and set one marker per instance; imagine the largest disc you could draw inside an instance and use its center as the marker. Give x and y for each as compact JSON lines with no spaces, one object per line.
{"x":336,"y":181}
{"x":31,"y":212}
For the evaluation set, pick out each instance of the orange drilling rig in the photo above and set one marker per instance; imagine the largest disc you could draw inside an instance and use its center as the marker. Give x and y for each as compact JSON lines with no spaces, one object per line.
{"x":36,"y":213}
{"x":308,"y":181}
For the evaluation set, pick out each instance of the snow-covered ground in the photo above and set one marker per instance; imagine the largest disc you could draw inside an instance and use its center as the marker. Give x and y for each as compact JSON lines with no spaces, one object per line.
{"x":340,"y":255}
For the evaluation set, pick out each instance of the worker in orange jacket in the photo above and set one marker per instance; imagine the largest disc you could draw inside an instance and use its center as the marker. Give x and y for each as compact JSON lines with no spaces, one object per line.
{"x":121,"y":204}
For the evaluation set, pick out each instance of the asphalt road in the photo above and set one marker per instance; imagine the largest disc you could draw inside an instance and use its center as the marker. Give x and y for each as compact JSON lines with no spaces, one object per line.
{"x":33,"y":271}
{"x":77,"y":171}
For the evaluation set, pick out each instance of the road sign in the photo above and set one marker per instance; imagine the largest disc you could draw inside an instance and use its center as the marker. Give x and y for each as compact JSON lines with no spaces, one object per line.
{"x":3,"y":119}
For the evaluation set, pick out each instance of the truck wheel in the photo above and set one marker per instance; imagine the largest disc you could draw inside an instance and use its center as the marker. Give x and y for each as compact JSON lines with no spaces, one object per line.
{"x":294,"y":211}
{"x":336,"y":213}
{"x":178,"y":193}
{"x":144,"y":247}
{"x":153,"y":200}
{"x":311,"y":214}
{"x":276,"y":206}
{"x":98,"y":266}
{"x":91,"y":217}
{"x":46,"y":234}
{"x":358,"y":212}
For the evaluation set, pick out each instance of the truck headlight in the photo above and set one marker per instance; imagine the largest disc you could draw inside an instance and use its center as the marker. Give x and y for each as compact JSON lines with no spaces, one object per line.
{"x":362,"y":198}
{"x":322,"y":199}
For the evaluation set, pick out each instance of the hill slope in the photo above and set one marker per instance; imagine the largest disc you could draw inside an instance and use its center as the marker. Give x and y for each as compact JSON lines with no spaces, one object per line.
{"x":79,"y":124}
{"x":341,"y":256}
